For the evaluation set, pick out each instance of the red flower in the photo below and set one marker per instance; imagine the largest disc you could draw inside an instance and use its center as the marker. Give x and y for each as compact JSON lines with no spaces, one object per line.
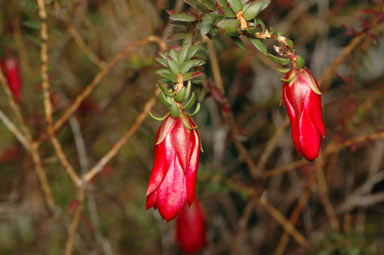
{"x":11,"y":70}
{"x":302,"y":99}
{"x":173,"y":178}
{"x":190,"y":228}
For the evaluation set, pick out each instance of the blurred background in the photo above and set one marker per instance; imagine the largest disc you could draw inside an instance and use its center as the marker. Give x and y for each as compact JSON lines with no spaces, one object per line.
{"x":333,"y":205}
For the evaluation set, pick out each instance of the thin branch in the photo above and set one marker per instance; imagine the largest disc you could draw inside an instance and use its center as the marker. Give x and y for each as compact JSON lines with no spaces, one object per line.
{"x":47,"y":101}
{"x":75,"y":223}
{"x":214,"y":64}
{"x":116,"y":147}
{"x":288,"y":227}
{"x":8,"y":123}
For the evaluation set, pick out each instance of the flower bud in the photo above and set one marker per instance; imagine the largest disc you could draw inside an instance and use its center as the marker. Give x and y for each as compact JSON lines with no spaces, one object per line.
{"x":11,"y":70}
{"x":173,"y":177}
{"x":302,"y":99}
{"x":190,"y":228}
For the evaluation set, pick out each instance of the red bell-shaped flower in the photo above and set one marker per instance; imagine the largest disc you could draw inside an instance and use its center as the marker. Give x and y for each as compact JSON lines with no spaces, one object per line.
{"x":190,"y":228}
{"x":302,"y":99}
{"x":11,"y":70}
{"x":173,"y":177}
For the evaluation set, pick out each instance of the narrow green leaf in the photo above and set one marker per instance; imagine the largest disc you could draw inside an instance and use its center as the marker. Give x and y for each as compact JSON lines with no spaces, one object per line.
{"x":283,"y":70}
{"x":189,"y":85}
{"x":183,"y":17}
{"x":290,"y":44}
{"x":190,"y":64}
{"x":229,"y":27}
{"x":280,"y":61}
{"x":174,"y":55}
{"x":167,"y":74}
{"x":193,"y":50}
{"x":164,"y":99}
{"x":183,"y":53}
{"x":192,"y":75}
{"x":197,"y":5}
{"x":196,"y":111}
{"x":259,"y":45}
{"x":300,"y":62}
{"x":190,"y":102}
{"x":158,"y":118}
{"x":236,"y":5}
{"x":253,"y":9}
{"x":164,"y":54}
{"x":173,"y":66}
{"x":165,"y":90}
{"x":162,"y":61}
{"x":181,"y":95}
{"x":208,"y":22}
{"x":261,"y":23}
{"x":174,"y":110}
{"x":238,"y":41}
{"x":210,"y":4}
{"x":33,"y":24}
{"x":177,"y":36}
{"x":228,"y":13}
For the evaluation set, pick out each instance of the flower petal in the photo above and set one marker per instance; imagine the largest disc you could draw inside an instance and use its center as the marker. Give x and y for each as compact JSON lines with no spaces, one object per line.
{"x":192,"y":169}
{"x":313,"y":107}
{"x":172,"y":192}
{"x":164,"y":154}
{"x":293,"y":119}
{"x":309,"y":137}
{"x":182,"y":141}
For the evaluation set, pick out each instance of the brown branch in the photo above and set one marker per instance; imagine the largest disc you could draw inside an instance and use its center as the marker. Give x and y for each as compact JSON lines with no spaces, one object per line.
{"x":75,"y":223}
{"x":288,"y":227}
{"x":324,"y":195}
{"x":8,"y":123}
{"x":326,"y":78}
{"x":214,"y":64}
{"x":100,"y":76}
{"x":331,"y":148}
{"x":293,"y":218}
{"x":47,"y":102}
{"x":116,"y":147}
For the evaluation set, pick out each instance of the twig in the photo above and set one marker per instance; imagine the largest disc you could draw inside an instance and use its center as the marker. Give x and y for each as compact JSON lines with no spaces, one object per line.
{"x":271,"y":145}
{"x":8,"y":123}
{"x":100,"y":76}
{"x":214,"y":64}
{"x":324,"y":197}
{"x":293,"y":218}
{"x":116,"y":147}
{"x":288,"y":227}
{"x":242,"y":225}
{"x":75,"y":223}
{"x":332,"y":148}
{"x":47,"y":101}
{"x":326,"y":79}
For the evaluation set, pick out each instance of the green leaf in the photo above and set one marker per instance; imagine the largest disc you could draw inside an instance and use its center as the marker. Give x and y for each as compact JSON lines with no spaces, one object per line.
{"x":197,"y":5}
{"x":183,"y":17}
{"x":164,"y":99}
{"x":252,"y":10}
{"x":229,"y":27}
{"x":34,"y":39}
{"x":164,"y":54}
{"x":165,"y":90}
{"x":181,"y":95}
{"x":259,"y":45}
{"x":173,"y":55}
{"x":290,"y":44}
{"x":190,"y":102}
{"x":174,"y":110}
{"x":158,"y":119}
{"x":228,"y":12}
{"x":196,"y":111}
{"x":190,"y":64}
{"x":283,"y":70}
{"x":300,"y":62}
{"x":33,"y":24}
{"x":192,"y":75}
{"x":177,"y":36}
{"x":236,"y":5}
{"x":238,"y":41}
{"x":162,"y":61}
{"x":183,"y":53}
{"x":280,"y":61}
{"x":261,"y":23}
{"x":173,"y":66}
{"x":167,"y":74}
{"x":208,"y":22}
{"x":193,"y":50}
{"x":210,"y":4}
